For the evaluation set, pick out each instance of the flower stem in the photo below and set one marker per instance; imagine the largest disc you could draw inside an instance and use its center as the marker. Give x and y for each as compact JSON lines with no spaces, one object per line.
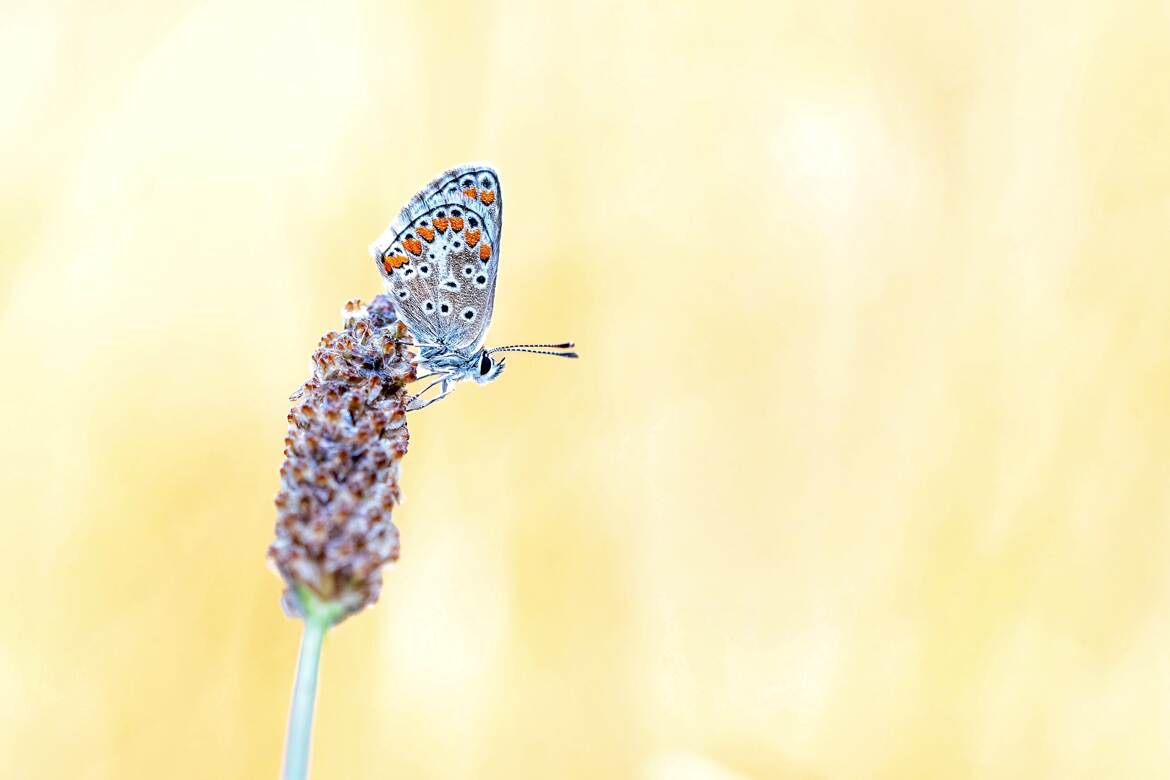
{"x":319,"y":617}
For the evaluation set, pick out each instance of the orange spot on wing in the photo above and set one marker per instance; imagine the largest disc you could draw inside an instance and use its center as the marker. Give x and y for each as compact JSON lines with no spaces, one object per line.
{"x":485,"y":252}
{"x":441,"y":223}
{"x":472,"y":237}
{"x":487,"y":197}
{"x":413,"y":245}
{"x":426,"y":233}
{"x":470,"y":192}
{"x":387,"y":264}
{"x":456,"y":223}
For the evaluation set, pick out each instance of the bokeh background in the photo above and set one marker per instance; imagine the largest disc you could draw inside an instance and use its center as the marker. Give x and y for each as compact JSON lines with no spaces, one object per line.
{"x":863,"y":473}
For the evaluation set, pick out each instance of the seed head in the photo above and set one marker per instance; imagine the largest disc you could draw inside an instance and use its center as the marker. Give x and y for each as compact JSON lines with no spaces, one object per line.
{"x":339,"y":481}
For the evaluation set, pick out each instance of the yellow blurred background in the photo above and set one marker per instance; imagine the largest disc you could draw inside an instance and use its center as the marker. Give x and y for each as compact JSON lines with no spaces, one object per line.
{"x":863,"y":473}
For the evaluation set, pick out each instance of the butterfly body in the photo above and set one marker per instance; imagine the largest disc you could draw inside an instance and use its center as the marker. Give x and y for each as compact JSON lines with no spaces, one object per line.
{"x":440,"y":262}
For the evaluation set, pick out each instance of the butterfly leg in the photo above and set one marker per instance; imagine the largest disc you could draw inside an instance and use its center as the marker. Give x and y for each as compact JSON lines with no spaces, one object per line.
{"x":412,"y":402}
{"x":443,"y":391}
{"x":441,"y":380}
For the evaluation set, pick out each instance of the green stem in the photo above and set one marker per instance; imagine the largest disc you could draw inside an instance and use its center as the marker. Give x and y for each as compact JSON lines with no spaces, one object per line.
{"x":318,"y":618}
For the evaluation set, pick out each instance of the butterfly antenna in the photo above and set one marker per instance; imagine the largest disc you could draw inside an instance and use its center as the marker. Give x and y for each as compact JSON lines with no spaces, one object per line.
{"x":565,"y":345}
{"x":538,"y":349}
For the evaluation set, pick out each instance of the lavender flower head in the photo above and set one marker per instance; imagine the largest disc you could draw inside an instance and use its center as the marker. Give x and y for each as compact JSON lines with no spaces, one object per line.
{"x":339,"y":482}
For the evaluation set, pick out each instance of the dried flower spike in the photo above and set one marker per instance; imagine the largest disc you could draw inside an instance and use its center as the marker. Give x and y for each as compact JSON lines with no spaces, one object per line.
{"x":339,"y":483}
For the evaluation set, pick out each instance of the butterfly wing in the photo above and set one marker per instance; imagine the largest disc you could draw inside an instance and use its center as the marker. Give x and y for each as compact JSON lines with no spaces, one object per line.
{"x":441,"y":256}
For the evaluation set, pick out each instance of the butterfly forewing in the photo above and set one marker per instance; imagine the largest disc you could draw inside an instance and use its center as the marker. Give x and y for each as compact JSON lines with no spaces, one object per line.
{"x":440,"y":257}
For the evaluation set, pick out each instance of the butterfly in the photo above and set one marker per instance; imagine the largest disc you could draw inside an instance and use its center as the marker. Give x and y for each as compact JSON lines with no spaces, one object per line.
{"x":440,"y":260}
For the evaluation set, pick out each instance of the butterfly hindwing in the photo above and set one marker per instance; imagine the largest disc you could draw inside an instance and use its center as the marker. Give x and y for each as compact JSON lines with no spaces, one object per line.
{"x":440,"y":257}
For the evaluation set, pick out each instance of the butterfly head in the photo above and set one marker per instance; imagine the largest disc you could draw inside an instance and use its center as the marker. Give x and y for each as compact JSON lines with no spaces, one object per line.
{"x":489,"y":368}
{"x":484,"y":368}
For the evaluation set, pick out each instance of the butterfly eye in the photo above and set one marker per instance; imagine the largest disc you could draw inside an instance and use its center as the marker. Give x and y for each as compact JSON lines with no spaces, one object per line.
{"x":485,"y":182}
{"x":485,"y":364}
